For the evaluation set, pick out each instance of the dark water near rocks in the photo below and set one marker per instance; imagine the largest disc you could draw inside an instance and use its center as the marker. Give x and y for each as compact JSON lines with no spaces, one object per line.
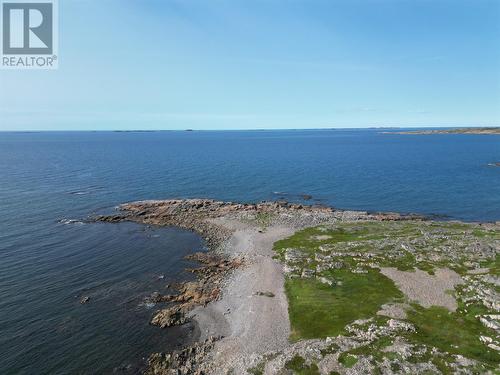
{"x":47,"y":266}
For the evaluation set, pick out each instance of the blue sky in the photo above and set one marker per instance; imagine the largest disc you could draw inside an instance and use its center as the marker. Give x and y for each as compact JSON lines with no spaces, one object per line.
{"x":232,"y":64}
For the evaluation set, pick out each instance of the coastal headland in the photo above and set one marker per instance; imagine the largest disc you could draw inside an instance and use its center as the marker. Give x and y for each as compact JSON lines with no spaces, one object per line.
{"x":483,"y":130}
{"x":296,"y":289}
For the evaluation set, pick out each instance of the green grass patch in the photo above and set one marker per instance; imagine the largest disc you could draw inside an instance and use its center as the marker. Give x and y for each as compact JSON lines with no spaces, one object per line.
{"x":298,"y":365}
{"x":452,"y":332}
{"x":318,"y":310}
{"x":375,"y":349}
{"x":264,"y":219}
{"x":493,"y":265}
{"x":311,"y":238}
{"x":348,"y":360}
{"x":257,"y":370}
{"x":405,"y":262}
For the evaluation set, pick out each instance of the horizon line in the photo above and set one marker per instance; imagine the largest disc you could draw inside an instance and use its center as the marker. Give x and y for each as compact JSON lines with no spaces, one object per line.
{"x":244,"y":129}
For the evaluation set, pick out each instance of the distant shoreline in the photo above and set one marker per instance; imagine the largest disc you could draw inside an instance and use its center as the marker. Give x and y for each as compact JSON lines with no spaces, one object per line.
{"x":417,"y":130}
{"x":488,"y":130}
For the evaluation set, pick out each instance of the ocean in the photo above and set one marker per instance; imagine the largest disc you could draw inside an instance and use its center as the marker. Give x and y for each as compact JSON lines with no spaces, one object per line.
{"x":51,"y":257}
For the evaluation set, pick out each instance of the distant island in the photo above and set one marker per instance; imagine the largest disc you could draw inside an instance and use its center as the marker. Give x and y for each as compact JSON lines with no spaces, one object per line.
{"x":485,"y":130}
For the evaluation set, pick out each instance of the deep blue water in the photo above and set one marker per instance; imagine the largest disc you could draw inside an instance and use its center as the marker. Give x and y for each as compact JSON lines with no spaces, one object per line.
{"x":46,"y":266}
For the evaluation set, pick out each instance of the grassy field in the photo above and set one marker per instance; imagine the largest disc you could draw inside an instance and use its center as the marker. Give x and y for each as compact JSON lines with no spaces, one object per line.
{"x":334,"y":283}
{"x":319,"y":310}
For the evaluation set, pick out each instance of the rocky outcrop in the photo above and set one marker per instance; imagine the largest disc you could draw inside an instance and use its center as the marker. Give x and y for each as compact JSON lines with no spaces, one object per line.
{"x":84,"y":300}
{"x":205,"y":289}
{"x":188,"y":214}
{"x":194,"y":214}
{"x":186,"y":361}
{"x":172,"y":316}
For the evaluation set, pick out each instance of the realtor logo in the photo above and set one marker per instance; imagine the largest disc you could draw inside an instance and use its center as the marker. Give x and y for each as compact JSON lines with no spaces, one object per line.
{"x":29,"y":34}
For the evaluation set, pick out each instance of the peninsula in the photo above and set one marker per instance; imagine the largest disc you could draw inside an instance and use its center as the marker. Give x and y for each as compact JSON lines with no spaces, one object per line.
{"x":484,"y":130}
{"x":290,"y":288}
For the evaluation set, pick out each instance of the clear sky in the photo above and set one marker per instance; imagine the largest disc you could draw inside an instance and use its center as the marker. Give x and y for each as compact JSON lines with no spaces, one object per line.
{"x":233,"y":64}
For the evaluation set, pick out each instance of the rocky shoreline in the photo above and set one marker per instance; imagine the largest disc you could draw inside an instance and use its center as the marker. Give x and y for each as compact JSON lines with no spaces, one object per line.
{"x":240,"y":305}
{"x":210,"y":219}
{"x":483,"y":130}
{"x":205,"y":289}
{"x":192,"y":214}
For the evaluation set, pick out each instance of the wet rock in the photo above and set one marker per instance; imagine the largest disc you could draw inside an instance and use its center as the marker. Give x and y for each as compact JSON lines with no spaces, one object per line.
{"x":110,"y":218}
{"x":85,"y":300}
{"x":170,"y":317}
{"x":155,"y":298}
{"x":195,"y":293}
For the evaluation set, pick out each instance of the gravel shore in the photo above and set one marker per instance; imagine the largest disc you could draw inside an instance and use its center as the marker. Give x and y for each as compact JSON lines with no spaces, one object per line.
{"x":252,"y":314}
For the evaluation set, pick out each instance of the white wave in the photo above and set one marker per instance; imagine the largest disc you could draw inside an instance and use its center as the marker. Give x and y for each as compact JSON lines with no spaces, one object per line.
{"x":148,"y":305}
{"x":70,"y":221}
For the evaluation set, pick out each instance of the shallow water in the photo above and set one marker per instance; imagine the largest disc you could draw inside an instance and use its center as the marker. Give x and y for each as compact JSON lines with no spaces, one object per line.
{"x":49,"y":182}
{"x":45,"y":328}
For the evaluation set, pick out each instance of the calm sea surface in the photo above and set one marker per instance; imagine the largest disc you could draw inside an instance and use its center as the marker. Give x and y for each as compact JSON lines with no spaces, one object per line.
{"x":49,"y":260}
